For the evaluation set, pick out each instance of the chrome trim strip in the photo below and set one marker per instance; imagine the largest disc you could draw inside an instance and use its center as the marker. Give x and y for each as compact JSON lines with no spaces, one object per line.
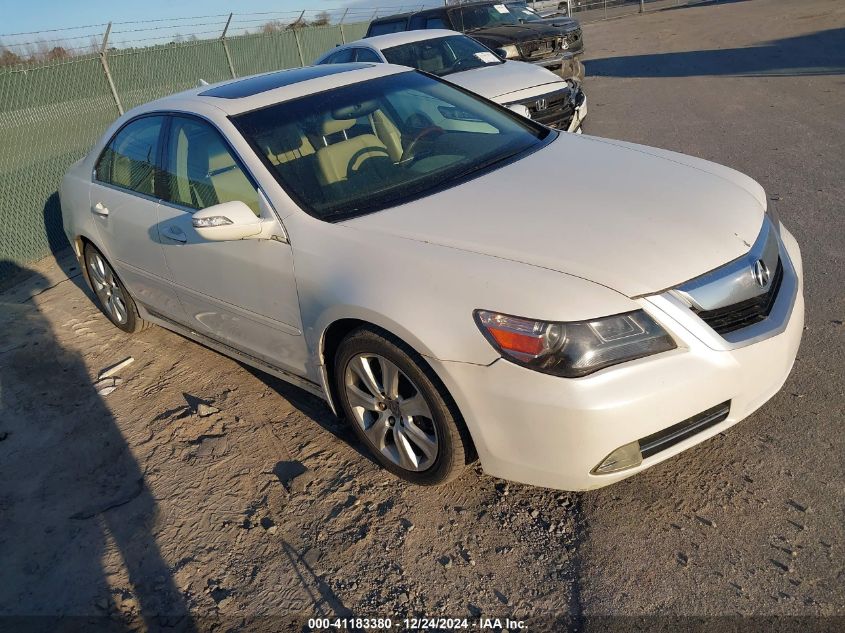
{"x":680,"y":311}
{"x":734,"y":282}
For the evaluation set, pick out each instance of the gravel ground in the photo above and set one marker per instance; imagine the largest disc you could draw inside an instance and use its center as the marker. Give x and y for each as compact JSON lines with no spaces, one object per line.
{"x":752,"y":521}
{"x":195,"y":493}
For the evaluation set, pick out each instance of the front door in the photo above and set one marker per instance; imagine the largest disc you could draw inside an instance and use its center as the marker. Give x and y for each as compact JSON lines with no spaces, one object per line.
{"x":241,"y":293}
{"x":124,"y":205}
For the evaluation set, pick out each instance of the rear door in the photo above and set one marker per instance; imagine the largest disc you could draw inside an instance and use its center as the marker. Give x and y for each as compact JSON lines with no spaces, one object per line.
{"x":241,"y":293}
{"x":124,"y":203}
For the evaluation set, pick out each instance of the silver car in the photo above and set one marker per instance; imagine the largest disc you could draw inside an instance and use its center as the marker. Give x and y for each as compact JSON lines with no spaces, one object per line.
{"x":529,"y":89}
{"x":403,"y":249}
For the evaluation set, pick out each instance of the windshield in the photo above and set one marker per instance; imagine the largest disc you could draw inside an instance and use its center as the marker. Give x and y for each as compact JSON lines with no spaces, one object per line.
{"x":525,"y":13}
{"x":378,"y":143}
{"x":442,"y":56}
{"x":483,"y":16}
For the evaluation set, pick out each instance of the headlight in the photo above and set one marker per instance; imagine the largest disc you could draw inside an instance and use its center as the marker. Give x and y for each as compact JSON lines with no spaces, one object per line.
{"x":574,"y":349}
{"x":511,"y":51}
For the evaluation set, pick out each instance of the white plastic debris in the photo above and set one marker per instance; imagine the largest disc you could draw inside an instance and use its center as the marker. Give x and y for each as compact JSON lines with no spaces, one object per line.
{"x":106,"y":385}
{"x":111,"y":371}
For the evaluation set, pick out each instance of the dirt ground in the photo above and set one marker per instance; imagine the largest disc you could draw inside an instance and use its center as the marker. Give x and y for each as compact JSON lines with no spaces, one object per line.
{"x":194,"y":493}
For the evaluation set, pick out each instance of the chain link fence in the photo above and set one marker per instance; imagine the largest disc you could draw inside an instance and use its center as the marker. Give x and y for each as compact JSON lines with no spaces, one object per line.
{"x":58,"y":94}
{"x":53,"y":110}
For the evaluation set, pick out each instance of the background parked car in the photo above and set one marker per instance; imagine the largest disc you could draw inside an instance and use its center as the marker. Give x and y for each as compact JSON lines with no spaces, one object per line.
{"x":496,"y":26}
{"x":570,"y":28}
{"x":542,"y":95}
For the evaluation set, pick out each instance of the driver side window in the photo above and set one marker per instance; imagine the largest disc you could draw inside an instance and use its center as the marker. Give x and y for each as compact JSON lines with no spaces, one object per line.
{"x":201,"y":170}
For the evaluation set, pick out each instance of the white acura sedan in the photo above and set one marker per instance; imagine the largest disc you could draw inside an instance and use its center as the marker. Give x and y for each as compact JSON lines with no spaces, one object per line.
{"x":529,"y":89}
{"x":435,"y":284}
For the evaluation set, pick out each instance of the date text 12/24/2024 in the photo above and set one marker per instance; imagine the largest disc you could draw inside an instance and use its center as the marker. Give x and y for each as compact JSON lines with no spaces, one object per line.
{"x":416,"y":624}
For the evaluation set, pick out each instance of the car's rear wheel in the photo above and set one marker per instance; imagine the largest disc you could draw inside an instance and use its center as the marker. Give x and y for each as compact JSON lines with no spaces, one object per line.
{"x":113,"y":298}
{"x":396,"y":408}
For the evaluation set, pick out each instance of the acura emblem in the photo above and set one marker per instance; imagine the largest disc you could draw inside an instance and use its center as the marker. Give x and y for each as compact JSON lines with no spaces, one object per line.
{"x":761,"y":273}
{"x":541,"y":104}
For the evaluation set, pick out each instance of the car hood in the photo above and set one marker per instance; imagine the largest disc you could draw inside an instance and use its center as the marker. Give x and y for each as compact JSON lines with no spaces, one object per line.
{"x":494,"y":81}
{"x":632,"y":218}
{"x":510,"y":33}
{"x":567,"y":24}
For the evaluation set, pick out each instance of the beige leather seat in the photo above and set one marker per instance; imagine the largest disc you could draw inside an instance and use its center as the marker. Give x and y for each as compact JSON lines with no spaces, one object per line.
{"x":339,"y":159}
{"x":132,"y":174}
{"x":227,"y":179}
{"x":431,"y":60}
{"x":287,"y":143}
{"x":388,"y":134}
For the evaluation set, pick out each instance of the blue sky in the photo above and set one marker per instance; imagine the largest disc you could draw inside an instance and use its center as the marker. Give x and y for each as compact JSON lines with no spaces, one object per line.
{"x":38,"y":15}
{"x":43,"y":16}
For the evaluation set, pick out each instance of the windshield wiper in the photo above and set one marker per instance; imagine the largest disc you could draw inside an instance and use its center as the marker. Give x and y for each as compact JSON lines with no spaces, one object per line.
{"x":482,"y":166}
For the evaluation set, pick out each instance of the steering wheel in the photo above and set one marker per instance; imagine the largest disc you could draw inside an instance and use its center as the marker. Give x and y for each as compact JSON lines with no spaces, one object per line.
{"x":410,"y":150}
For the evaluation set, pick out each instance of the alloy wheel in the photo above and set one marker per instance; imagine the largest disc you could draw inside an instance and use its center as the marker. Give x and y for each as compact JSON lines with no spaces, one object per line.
{"x":392,"y":411}
{"x":107,"y":288}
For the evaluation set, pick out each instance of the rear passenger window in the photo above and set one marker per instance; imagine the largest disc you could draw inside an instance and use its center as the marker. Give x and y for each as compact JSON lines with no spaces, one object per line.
{"x":129,"y":160}
{"x":201,"y":170}
{"x":366,"y":55}
{"x":383,"y":28}
{"x":341,"y":57}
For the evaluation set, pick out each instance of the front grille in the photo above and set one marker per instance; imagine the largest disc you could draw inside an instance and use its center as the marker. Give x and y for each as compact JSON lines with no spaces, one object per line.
{"x":539,"y":49}
{"x":558,"y":111}
{"x":572,"y":37}
{"x":739,"y":315}
{"x":668,"y":437}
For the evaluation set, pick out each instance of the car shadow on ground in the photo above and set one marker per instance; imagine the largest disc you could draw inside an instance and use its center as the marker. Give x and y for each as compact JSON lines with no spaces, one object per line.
{"x":71,"y":492}
{"x":315,"y":408}
{"x":818,"y":53}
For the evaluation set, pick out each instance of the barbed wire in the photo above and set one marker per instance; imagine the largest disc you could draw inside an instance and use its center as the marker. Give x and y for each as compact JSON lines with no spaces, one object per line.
{"x":327,"y":10}
{"x":186,"y":28}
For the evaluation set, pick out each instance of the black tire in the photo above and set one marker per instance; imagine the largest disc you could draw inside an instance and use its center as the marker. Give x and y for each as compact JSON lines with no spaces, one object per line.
{"x":454,"y":446}
{"x":132,"y":321}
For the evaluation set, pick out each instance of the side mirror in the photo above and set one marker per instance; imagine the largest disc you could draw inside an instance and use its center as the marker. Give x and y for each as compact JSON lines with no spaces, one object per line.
{"x":229,"y":221}
{"x":501,"y":53}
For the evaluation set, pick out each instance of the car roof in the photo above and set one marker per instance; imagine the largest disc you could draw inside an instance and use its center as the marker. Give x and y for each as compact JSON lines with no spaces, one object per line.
{"x":250,"y":93}
{"x":402,"y":37}
{"x":397,"y":16}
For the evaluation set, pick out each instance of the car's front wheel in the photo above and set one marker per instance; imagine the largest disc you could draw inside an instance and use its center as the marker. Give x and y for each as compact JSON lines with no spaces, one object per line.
{"x":397,"y":409}
{"x":112,"y":296}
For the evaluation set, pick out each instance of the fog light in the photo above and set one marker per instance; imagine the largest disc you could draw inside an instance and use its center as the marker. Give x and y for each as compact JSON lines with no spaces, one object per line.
{"x":622,"y":458}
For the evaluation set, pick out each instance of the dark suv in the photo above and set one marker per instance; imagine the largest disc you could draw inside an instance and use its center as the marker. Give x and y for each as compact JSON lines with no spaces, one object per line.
{"x":500,"y":27}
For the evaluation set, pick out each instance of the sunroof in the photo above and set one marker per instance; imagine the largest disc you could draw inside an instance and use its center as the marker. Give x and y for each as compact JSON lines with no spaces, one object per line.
{"x":263,"y":83}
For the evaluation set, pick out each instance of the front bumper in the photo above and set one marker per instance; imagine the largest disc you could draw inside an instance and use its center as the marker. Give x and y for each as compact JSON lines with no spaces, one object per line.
{"x":568,"y":65}
{"x":549,"y":431}
{"x":580,"y":113}
{"x":563,"y":109}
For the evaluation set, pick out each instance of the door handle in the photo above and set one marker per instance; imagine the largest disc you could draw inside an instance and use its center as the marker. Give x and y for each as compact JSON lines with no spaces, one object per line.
{"x":100,"y":209}
{"x":174,"y":233}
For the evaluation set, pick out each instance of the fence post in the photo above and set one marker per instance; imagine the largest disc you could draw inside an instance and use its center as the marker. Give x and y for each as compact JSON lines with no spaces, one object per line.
{"x":226,"y":46}
{"x":296,"y":37}
{"x":105,"y":62}
{"x":605,"y":9}
{"x":642,"y":6}
{"x":342,"y":34}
